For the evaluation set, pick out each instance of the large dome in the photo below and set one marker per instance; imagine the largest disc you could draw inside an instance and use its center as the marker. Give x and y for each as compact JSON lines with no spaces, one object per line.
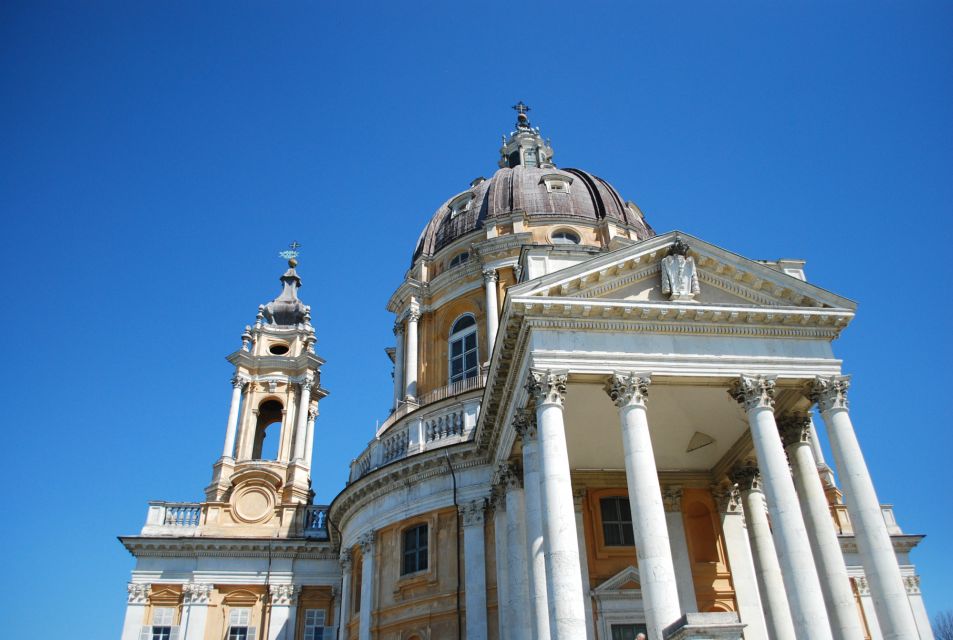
{"x":529,"y":184}
{"x":528,"y":190}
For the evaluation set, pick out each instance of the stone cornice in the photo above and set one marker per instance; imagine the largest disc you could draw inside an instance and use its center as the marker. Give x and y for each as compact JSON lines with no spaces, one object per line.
{"x":305,"y":548}
{"x":901,"y":543}
{"x":304,"y":362}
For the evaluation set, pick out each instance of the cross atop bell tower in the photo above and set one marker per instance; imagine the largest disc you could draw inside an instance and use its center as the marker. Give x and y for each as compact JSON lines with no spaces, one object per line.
{"x":264,"y":473}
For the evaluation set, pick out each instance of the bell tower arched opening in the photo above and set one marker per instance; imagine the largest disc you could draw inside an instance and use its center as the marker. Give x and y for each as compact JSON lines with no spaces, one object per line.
{"x":266,"y":440}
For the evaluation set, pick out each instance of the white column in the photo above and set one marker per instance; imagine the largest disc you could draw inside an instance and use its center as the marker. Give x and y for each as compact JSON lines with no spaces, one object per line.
{"x":136,"y":610}
{"x":238,"y":383}
{"x":398,"y":364}
{"x":281,"y":619}
{"x":835,"y":583}
{"x":474,"y":556}
{"x":301,"y":427}
{"x":656,"y":570}
{"x":912,"y":583}
{"x":517,"y":567}
{"x":567,"y":615}
{"x":501,"y":542}
{"x":490,"y":278}
{"x":579,"y":498}
{"x":801,"y":582}
{"x":672,"y":501}
{"x":740,"y":564}
{"x":345,"y":616}
{"x":368,"y":544}
{"x":309,"y":441}
{"x":774,"y":600}
{"x":524,"y":422}
{"x":873,"y":541}
{"x":195,"y":597}
{"x":410,"y":357}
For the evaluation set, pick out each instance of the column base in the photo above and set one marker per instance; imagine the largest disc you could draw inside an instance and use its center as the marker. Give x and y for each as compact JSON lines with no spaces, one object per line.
{"x":705,"y":626}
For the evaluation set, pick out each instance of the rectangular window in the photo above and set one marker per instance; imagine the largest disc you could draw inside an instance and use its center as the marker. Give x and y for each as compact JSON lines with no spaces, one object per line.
{"x":627,"y":631}
{"x":314,"y":628}
{"x":239,"y":619}
{"x":163,"y":625}
{"x":415,"y":550}
{"x":617,"y":522}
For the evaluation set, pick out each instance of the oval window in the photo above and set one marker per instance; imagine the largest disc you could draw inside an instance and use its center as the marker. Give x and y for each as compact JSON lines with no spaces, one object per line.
{"x":278,"y":349}
{"x":564,"y":236}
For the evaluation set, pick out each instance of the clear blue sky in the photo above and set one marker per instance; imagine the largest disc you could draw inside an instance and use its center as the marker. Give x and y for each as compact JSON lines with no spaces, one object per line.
{"x":157,"y":156}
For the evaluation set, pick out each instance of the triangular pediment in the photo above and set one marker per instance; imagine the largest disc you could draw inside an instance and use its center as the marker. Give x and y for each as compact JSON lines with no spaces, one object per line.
{"x":634,"y":273}
{"x":627,"y":579}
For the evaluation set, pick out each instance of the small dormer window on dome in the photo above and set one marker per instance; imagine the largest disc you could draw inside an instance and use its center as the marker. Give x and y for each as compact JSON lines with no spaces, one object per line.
{"x":556,"y":182}
{"x":460,"y":204}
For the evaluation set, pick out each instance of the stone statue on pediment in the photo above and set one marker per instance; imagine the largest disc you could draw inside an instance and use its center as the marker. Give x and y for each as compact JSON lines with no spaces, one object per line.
{"x":679,"y":275}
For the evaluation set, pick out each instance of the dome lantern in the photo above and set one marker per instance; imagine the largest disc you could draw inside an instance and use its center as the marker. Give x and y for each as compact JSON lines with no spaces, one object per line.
{"x":525,"y":146}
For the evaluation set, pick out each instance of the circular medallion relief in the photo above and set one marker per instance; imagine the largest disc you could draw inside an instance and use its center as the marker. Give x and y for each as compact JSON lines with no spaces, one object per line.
{"x":254,"y":504}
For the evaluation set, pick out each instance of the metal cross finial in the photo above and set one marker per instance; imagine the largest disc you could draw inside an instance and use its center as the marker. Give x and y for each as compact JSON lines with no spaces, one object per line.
{"x":520,"y":108}
{"x":292,"y":253}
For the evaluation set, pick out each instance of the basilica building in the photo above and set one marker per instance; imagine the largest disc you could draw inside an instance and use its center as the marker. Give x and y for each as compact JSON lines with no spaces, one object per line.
{"x":597,"y":431}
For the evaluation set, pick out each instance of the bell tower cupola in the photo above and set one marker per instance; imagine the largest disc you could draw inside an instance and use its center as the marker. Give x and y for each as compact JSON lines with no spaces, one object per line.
{"x":265,"y":467}
{"x":525,"y":146}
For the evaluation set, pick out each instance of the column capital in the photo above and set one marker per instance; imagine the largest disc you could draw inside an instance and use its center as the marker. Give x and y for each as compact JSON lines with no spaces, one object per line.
{"x":746,"y":475}
{"x":672,"y":498}
{"x":795,"y":428}
{"x":413,"y":315}
{"x":513,"y":476}
{"x":628,"y":388}
{"x":497,"y":501}
{"x":196,"y":592}
{"x":312,"y":412}
{"x":307,"y":384}
{"x":239,"y":381}
{"x":524,"y":423}
{"x":139,"y":592}
{"x":490,"y":275}
{"x":727,"y":498}
{"x":472,"y":512}
{"x":398,"y":328}
{"x":912,"y":584}
{"x":829,"y":392}
{"x":367,"y":542}
{"x":282,"y":595}
{"x":346,"y":559}
{"x":863,"y":587}
{"x":753,"y":391}
{"x":547,"y":387}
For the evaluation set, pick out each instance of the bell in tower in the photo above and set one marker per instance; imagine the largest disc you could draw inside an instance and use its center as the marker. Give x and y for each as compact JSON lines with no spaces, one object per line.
{"x":264,"y":474}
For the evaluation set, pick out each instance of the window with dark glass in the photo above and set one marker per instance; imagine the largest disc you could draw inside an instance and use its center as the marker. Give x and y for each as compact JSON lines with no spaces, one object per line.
{"x":238,"y":624}
{"x":463,"y":349}
{"x":415,"y":549}
{"x":564,"y":236}
{"x":627,"y":631}
{"x":617,"y":522}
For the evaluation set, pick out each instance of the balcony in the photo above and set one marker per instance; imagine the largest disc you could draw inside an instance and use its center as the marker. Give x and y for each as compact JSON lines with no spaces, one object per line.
{"x":438,"y":421}
{"x":185,"y":519}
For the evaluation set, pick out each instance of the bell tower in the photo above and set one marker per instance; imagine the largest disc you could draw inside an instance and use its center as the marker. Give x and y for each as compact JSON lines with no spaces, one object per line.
{"x":264,"y":474}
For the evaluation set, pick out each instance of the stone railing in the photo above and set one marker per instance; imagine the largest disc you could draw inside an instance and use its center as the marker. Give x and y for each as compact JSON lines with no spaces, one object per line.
{"x":316,"y":521}
{"x":845,"y":528}
{"x":448,"y":391}
{"x":425,"y":429}
{"x":172,"y":518}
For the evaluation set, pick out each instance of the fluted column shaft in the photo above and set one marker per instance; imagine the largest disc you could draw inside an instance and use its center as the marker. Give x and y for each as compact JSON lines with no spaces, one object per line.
{"x":238,"y":383}
{"x":411,"y":357}
{"x":301,"y":428}
{"x":656,"y":569}
{"x":525,"y":425}
{"x":835,"y":583}
{"x":474,"y":556}
{"x":774,"y":600}
{"x":567,"y":618}
{"x":891,"y":603}
{"x":801,"y":581}
{"x":368,"y":544}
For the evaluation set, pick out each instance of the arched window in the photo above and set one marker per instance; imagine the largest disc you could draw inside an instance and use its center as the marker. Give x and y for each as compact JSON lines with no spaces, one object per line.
{"x":463,"y":349}
{"x":265,"y":446}
{"x":565,"y":236}
{"x":460,"y":258}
